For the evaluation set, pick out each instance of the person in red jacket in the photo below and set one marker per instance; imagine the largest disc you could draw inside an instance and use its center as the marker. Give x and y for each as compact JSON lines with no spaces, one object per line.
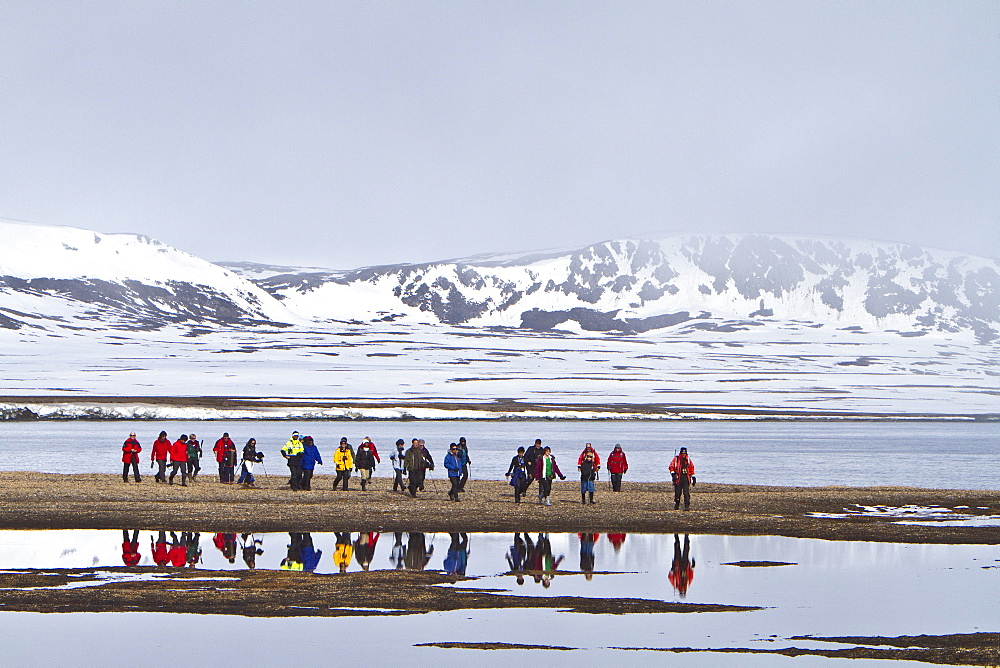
{"x":130,"y":457}
{"x":179,"y":459}
{"x":589,"y":448}
{"x":130,"y":548}
{"x":682,"y":475}
{"x":220,"y":454}
{"x":617,"y":467}
{"x":158,"y":455}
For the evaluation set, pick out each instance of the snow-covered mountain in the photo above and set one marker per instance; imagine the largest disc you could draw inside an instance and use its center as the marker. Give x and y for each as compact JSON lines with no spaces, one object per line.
{"x":700,"y":282}
{"x":121,"y":326}
{"x":72,"y":278}
{"x":126,"y":281}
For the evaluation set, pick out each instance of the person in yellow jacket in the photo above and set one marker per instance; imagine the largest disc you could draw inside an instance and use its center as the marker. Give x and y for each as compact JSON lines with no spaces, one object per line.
{"x":343,"y":461}
{"x":343,"y":552}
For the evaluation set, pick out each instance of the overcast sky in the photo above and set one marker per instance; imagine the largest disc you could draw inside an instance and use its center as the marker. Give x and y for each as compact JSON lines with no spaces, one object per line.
{"x":343,"y":134}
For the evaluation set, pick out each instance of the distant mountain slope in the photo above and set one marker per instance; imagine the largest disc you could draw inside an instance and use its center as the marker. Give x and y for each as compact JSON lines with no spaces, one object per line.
{"x":82,"y":279}
{"x":638,"y":285}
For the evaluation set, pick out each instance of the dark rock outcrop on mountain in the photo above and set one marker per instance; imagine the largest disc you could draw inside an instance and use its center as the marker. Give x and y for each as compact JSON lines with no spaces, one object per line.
{"x":637,"y":285}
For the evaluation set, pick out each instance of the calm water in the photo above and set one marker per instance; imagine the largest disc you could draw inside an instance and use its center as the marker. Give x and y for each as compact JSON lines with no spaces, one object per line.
{"x":829,"y":588}
{"x":919,"y":454}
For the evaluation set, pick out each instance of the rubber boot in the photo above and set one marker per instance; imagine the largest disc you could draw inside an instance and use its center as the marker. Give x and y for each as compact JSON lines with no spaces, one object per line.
{"x":583,"y":497}
{"x":591,"y":497}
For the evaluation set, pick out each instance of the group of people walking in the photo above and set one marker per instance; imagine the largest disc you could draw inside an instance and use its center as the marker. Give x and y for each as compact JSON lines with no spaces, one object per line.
{"x":535,"y":464}
{"x":184,"y":456}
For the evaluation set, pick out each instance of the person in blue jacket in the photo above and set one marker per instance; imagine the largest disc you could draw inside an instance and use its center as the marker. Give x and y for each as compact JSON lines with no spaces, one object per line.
{"x":310,"y":458}
{"x":453,"y":463}
{"x":310,"y":555}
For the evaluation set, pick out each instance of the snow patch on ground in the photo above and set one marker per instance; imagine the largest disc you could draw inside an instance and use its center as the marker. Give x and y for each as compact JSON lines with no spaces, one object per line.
{"x":917,"y":515}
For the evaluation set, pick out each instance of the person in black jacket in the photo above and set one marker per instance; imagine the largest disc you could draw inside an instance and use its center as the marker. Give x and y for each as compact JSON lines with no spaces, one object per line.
{"x":531,"y":455}
{"x":463,"y":450}
{"x":250,"y":457}
{"x":364,"y":463}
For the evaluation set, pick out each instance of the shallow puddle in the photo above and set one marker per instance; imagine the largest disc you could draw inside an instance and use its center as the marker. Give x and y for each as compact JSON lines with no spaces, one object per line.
{"x":806,"y":587}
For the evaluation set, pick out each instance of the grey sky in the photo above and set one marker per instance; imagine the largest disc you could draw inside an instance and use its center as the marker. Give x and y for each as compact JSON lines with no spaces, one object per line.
{"x":350,"y":133}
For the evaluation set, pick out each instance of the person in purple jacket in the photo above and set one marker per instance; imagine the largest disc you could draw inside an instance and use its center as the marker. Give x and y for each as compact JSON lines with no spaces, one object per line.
{"x":546,"y":469}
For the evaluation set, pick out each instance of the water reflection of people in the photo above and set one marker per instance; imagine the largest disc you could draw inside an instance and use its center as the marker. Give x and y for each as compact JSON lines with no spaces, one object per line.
{"x":398,"y":554}
{"x":517,"y":558}
{"x":310,"y":555}
{"x":161,"y":555}
{"x":251,"y":547}
{"x":587,"y":559}
{"x":293,"y":559}
{"x":616,"y":540}
{"x":191,"y":544}
{"x":543,"y":563}
{"x":682,"y":568}
{"x":343,"y":551}
{"x":364,"y":547}
{"x":178,"y":551}
{"x":418,"y":552}
{"x":457,"y":559}
{"x":226,"y":544}
{"x":130,"y":548}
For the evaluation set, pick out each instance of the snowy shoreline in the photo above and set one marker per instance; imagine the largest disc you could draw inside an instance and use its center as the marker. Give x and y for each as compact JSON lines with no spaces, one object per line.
{"x":146,"y":409}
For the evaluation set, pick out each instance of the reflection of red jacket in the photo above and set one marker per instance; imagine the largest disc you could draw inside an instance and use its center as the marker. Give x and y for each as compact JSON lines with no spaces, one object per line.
{"x":179,"y":451}
{"x":220,"y":448}
{"x":682,"y":467}
{"x":680,"y":576}
{"x":130,"y":554}
{"x":178,"y":556}
{"x":617,"y":462}
{"x":597,"y":458}
{"x":161,"y":447}
{"x":160,"y":555}
{"x":616,"y":539}
{"x":130,"y":451}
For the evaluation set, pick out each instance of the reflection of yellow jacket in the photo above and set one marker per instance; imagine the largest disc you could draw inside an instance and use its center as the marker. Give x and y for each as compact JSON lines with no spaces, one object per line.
{"x":342,"y":555}
{"x":343,"y":460}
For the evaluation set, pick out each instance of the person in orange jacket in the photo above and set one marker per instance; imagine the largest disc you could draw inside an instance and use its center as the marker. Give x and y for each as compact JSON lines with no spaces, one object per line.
{"x":158,"y":455}
{"x":130,"y":457}
{"x":682,"y":475}
{"x":179,"y":459}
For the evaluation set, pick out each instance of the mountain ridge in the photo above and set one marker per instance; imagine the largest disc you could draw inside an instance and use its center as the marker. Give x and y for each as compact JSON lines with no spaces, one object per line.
{"x":75,"y":277}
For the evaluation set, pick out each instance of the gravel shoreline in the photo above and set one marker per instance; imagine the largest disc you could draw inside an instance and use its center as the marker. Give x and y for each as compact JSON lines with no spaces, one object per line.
{"x":31,"y":500}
